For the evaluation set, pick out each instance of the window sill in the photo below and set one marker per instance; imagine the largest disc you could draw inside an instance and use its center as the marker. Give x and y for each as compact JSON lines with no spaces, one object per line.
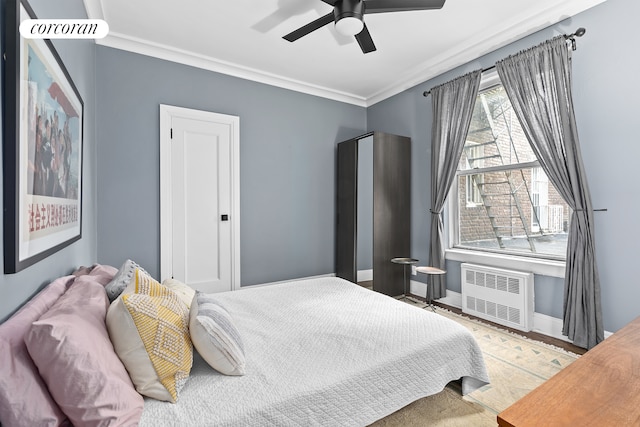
{"x":544,"y":267}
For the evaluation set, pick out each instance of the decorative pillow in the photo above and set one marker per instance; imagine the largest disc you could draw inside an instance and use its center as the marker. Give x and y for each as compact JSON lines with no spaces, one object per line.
{"x":215,"y":336}
{"x":24,"y":397}
{"x":71,"y":348}
{"x":183,"y":291}
{"x":149,"y":328}
{"x":122,"y":279}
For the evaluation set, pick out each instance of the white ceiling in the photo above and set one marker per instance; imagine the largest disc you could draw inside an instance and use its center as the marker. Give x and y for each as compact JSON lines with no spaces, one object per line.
{"x":244,"y":38}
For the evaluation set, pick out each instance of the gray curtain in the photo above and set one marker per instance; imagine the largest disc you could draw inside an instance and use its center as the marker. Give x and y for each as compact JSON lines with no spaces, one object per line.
{"x":538,"y":83}
{"x":452,"y":110}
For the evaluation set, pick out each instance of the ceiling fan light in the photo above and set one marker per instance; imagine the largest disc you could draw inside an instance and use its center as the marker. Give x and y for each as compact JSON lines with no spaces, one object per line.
{"x":349,"y":25}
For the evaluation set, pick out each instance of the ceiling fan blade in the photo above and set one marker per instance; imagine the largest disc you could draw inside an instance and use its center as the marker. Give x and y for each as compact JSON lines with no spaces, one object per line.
{"x":382,"y":6}
{"x":330,"y":2}
{"x":312,"y":26}
{"x":365,"y":41}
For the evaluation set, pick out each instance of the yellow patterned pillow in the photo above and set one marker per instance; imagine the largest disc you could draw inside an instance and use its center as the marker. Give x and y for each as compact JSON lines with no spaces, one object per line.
{"x":148,"y":325}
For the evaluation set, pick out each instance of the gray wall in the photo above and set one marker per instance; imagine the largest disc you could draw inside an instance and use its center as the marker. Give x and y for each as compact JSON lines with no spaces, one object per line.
{"x":605,"y":69}
{"x":287,"y":164}
{"x":288,"y":156}
{"x":79,"y":58}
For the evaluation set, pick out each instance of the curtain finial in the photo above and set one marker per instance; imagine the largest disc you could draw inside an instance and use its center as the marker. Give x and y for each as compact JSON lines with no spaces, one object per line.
{"x":572,"y":37}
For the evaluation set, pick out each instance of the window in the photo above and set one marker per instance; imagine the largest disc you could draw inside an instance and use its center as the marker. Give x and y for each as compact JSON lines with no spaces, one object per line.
{"x":475,"y":154}
{"x":503,"y":201}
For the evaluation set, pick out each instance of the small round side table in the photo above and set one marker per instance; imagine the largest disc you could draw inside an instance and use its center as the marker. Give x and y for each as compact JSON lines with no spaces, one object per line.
{"x":405,"y":262}
{"x":430,"y":271}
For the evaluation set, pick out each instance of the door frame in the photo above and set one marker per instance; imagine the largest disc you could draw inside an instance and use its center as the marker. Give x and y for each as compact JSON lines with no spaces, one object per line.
{"x":167,"y":113}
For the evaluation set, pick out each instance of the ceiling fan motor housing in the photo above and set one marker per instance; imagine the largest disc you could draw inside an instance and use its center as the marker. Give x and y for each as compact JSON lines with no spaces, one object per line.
{"x":348,"y":8}
{"x":348,"y":17}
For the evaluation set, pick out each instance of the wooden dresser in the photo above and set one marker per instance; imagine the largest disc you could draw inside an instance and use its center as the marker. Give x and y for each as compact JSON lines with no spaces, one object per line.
{"x":601,"y":388}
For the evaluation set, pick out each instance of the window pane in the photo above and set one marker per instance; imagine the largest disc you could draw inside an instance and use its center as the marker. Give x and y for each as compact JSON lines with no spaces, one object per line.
{"x":495,"y":136}
{"x":518,"y":211}
{"x":512,"y":208}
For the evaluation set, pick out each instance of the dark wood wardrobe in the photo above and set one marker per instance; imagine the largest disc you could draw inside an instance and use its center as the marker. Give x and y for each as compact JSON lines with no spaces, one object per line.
{"x":374,"y":209}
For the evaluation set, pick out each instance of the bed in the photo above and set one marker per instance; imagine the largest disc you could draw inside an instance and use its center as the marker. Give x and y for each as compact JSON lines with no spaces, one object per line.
{"x":318,"y":352}
{"x":324,"y":352}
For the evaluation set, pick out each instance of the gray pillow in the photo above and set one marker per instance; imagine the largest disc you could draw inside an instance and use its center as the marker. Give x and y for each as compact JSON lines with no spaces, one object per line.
{"x":122,"y":278}
{"x":215,"y":336}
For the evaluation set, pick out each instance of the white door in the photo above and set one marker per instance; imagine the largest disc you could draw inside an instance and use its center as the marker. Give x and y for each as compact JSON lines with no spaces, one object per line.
{"x":199,"y":199}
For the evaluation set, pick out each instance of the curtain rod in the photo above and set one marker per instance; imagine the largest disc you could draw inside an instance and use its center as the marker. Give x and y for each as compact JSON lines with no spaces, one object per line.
{"x":578,"y":33}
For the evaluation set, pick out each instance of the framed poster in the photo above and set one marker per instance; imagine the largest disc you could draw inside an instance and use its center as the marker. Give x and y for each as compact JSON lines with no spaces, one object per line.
{"x":42,"y":148}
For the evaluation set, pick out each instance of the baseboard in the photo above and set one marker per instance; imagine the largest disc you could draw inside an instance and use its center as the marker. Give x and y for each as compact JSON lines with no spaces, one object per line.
{"x":548,"y":325}
{"x":365,"y":275}
{"x":542,"y":323}
{"x":453,"y":299}
{"x":552,"y":326}
{"x":288,"y":280}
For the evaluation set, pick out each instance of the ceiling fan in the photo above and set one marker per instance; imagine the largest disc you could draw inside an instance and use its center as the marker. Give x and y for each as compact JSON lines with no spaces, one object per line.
{"x":348,"y":16}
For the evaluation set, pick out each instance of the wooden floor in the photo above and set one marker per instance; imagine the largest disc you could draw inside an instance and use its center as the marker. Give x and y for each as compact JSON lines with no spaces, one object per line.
{"x":531,"y":335}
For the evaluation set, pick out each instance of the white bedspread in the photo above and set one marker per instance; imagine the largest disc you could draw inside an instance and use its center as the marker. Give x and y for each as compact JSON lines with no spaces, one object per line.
{"x":324,"y":352}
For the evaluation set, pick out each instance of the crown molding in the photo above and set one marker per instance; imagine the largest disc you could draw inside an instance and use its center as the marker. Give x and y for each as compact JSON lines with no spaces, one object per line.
{"x":94,"y":9}
{"x":145,"y":47}
{"x":485,"y":43}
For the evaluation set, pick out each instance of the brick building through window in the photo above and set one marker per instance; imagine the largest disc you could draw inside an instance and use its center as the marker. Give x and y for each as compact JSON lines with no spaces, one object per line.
{"x":505,"y":202}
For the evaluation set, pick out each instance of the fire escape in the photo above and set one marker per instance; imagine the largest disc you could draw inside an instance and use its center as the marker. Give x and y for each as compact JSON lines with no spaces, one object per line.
{"x":501,"y":197}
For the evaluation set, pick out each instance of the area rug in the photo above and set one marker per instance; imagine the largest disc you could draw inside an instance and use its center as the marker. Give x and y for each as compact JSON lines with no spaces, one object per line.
{"x":516,"y":365}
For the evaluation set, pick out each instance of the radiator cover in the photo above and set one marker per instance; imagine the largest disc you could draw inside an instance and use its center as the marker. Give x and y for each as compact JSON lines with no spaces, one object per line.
{"x":498,"y":295}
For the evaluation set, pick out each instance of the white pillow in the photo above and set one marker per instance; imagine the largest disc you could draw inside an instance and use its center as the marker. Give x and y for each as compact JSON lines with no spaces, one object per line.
{"x":215,"y":336}
{"x":184,"y":292}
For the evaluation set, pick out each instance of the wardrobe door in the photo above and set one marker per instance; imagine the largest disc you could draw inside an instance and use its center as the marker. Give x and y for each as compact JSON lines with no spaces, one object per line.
{"x":369,"y":233}
{"x":347,"y":211}
{"x":391,"y":211}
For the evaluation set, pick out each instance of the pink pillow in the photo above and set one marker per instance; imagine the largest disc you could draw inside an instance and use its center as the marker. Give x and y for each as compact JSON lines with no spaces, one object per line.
{"x":82,"y":270}
{"x":101,"y":273}
{"x":24,"y":397}
{"x":71,"y":348}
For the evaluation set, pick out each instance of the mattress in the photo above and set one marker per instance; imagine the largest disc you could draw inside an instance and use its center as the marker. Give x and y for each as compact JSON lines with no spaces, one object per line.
{"x":324,"y":352}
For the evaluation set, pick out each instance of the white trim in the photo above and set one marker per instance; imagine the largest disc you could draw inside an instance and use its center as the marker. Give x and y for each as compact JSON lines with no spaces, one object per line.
{"x":167,"y":112}
{"x":547,"y":325}
{"x":465,"y":52}
{"x":542,"y":323}
{"x":364,"y":275}
{"x":544,"y":267}
{"x":287,"y":281}
{"x":417,"y":288}
{"x":552,"y":326}
{"x":480,"y":45}
{"x":489,"y":78}
{"x":168,"y":53}
{"x":94,"y":9}
{"x":500,"y":168}
{"x":454,"y":299}
{"x":166,"y":250}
